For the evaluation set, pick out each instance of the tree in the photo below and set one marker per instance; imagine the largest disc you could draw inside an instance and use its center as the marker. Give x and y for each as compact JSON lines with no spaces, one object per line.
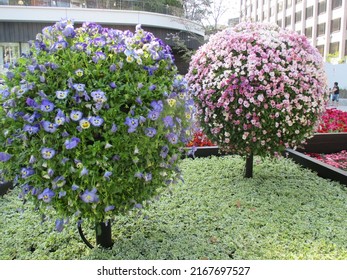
{"x":258,"y":89}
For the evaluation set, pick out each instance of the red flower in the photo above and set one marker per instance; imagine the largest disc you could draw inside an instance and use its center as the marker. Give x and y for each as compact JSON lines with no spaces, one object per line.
{"x":333,"y":121}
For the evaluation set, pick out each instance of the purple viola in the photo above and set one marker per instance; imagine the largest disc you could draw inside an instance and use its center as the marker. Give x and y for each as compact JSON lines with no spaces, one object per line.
{"x":76,"y":115}
{"x":27,"y":172}
{"x":172,"y":137}
{"x":79,"y":87}
{"x":96,"y":121}
{"x":49,"y":127}
{"x":4,"y":156}
{"x":168,"y":121}
{"x":62,"y":94}
{"x":90,"y":196}
{"x":107,"y":175}
{"x":164,"y":151}
{"x":153,"y":115}
{"x":32,"y":103}
{"x":46,"y":106}
{"x":109,"y":208}
{"x":132,"y":123}
{"x":150,"y":131}
{"x":31,"y":129}
{"x":60,"y":118}
{"x":46,"y":195}
{"x":71,"y":143}
{"x":47,"y":153}
{"x":98,"y":96}
{"x":157,"y":105}
{"x":59,"y":225}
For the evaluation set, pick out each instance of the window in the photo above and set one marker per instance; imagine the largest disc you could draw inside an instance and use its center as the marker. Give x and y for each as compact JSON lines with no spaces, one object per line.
{"x":298,"y":16}
{"x":336,"y":4}
{"x":279,"y":7}
{"x":309,"y":12}
{"x":9,"y":52}
{"x":272,"y":11}
{"x":308,"y":32}
{"x":334,"y":47}
{"x":322,"y":7}
{"x":321,"y":29}
{"x":335,"y":25}
{"x":279,"y":22}
{"x":288,"y":20}
{"x":298,"y":1}
{"x":321,"y":49}
{"x":288,"y":3}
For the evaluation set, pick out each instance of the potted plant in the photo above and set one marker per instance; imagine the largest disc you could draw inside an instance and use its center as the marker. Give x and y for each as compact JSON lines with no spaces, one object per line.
{"x":259,"y":89}
{"x":94,"y":121}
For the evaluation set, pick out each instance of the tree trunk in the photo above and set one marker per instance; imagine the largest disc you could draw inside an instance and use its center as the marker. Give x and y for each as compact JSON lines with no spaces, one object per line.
{"x":249,"y":167}
{"x":103,"y":234}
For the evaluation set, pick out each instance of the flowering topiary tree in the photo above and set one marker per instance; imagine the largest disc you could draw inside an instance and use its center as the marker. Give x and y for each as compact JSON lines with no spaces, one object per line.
{"x":94,"y":120}
{"x":258,"y":88}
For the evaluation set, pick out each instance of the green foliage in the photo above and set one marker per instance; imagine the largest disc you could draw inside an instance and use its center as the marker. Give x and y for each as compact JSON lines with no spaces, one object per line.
{"x":285,"y":212}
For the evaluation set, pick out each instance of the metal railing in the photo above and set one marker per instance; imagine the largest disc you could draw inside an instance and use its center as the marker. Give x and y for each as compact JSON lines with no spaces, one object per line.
{"x":134,"y":5}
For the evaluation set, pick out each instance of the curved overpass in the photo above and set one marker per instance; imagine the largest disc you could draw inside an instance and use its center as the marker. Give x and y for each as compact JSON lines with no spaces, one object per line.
{"x":19,"y":24}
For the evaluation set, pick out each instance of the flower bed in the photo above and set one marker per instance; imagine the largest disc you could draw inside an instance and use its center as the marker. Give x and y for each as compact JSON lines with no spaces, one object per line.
{"x":333,"y":120}
{"x":322,"y":143}
{"x":338,"y":160}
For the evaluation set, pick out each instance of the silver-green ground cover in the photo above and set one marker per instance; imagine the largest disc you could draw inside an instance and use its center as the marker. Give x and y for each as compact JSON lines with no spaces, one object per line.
{"x":283,"y":212}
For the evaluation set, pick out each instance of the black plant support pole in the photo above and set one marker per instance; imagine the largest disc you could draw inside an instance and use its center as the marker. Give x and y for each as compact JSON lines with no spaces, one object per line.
{"x":249,"y":166}
{"x":103,"y":235}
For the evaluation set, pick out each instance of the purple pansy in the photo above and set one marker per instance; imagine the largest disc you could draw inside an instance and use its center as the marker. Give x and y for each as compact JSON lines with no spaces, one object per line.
{"x":107,"y":175}
{"x":157,"y":105}
{"x":46,"y":106}
{"x":109,"y":208}
{"x":47,"y":153}
{"x":46,"y":195}
{"x":153,"y":115}
{"x":164,"y":151}
{"x":27,"y":172}
{"x":76,"y":115}
{"x":147,"y":176}
{"x":61,"y":194}
{"x":32,"y":103}
{"x":59,"y":225}
{"x":60,"y":118}
{"x":150,"y":131}
{"x":168,"y":121}
{"x":79,"y":87}
{"x":49,"y":127}
{"x":62,"y":94}
{"x":114,"y":128}
{"x":96,"y":121}
{"x":31,"y":129}
{"x":172,"y":137}
{"x":26,"y":188}
{"x":4,"y":156}
{"x":132,"y":123}
{"x":84,"y":171}
{"x":152,"y":87}
{"x":90,"y":196}
{"x":71,"y":143}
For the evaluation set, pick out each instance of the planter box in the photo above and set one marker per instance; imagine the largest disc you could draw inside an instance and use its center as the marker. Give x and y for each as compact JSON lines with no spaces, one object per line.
{"x":322,"y":143}
{"x":206,"y":151}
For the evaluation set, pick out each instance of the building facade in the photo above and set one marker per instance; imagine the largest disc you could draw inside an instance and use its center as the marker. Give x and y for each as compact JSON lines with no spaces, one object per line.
{"x":323,"y":22}
{"x":21,"y":20}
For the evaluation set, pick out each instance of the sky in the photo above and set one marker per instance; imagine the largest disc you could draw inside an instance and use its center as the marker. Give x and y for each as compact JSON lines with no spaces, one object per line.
{"x":232,"y":10}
